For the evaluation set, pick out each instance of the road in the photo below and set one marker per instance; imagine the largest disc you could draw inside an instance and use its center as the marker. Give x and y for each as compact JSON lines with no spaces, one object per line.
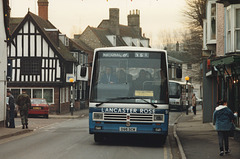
{"x":63,"y":139}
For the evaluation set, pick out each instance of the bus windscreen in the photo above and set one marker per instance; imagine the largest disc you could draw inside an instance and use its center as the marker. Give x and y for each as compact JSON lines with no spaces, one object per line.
{"x":129,"y":74}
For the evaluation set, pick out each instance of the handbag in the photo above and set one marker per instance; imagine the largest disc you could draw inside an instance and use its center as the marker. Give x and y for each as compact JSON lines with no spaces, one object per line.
{"x":231,"y":133}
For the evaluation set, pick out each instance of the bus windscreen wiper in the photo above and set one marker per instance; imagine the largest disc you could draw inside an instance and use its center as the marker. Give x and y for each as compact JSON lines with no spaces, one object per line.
{"x":112,"y":99}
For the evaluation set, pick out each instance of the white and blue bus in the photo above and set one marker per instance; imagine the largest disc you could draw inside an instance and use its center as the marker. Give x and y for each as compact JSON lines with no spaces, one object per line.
{"x":177,"y":95}
{"x":129,"y":92}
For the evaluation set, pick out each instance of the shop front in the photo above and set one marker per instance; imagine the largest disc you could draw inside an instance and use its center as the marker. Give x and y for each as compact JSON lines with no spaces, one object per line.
{"x":228,"y":83}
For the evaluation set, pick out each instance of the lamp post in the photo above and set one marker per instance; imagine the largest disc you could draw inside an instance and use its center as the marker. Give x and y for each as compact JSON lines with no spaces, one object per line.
{"x":71,"y":80}
{"x":187,"y":100}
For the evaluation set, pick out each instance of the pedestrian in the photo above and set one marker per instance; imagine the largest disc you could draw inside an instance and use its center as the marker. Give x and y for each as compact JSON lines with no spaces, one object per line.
{"x":11,"y":105}
{"x":223,"y":119}
{"x":7,"y":113}
{"x":194,"y":103}
{"x":108,"y":77}
{"x":24,"y":103}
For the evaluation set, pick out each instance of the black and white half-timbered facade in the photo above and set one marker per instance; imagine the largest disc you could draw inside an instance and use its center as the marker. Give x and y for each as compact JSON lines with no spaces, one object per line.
{"x":41,"y":61}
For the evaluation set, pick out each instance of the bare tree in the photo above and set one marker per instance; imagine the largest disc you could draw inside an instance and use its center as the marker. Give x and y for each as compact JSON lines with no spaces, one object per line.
{"x":169,"y":38}
{"x":195,"y":12}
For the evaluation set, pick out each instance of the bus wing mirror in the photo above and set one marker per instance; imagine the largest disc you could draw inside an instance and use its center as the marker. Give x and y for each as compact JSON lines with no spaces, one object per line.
{"x":83,"y":72}
{"x":179,"y":72}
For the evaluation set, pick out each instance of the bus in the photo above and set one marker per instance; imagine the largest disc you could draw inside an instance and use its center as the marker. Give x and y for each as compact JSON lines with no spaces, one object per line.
{"x":177,"y":95}
{"x":129,"y":92}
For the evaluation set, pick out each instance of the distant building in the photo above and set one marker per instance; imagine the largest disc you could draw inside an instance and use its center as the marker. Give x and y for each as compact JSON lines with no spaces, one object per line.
{"x":221,"y":69}
{"x":42,"y":61}
{"x":110,"y":33}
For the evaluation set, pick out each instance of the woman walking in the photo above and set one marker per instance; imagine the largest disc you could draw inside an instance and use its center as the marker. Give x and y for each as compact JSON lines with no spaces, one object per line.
{"x":223,"y":119}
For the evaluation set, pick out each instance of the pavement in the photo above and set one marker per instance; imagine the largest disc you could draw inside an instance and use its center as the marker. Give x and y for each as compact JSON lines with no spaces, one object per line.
{"x":198,"y":140}
{"x":195,"y":139}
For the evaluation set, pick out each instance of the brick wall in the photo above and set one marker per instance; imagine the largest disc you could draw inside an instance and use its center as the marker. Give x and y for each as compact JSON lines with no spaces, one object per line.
{"x":54,"y":108}
{"x":220,"y":30}
{"x":65,"y":107}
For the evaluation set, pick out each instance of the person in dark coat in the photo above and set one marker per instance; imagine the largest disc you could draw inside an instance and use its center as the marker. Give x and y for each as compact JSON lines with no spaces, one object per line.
{"x":11,"y":106}
{"x":24,"y":103}
{"x":223,"y":119}
{"x":108,"y":77}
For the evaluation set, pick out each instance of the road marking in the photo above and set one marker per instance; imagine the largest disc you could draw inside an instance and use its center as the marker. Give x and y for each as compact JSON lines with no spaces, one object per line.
{"x":167,"y":152}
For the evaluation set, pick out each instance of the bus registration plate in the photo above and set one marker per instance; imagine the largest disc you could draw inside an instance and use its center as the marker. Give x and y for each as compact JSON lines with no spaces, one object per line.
{"x":131,"y":129}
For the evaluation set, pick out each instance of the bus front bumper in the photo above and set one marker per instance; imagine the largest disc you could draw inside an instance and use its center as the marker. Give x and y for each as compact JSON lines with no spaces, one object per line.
{"x":134,"y":128}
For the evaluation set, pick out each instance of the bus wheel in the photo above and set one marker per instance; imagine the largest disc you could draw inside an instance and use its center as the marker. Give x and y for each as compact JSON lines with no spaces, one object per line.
{"x":98,"y":137}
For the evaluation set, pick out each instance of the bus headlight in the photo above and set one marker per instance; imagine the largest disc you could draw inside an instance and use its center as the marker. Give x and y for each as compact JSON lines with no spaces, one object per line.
{"x":158,"y":117}
{"x":97,"y":116}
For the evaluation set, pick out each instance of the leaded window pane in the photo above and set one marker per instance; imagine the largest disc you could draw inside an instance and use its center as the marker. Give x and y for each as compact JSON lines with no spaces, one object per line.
{"x":48,"y":95}
{"x":37,"y":93}
{"x":238,"y":18}
{"x":238,"y":39}
{"x":31,"y":66}
{"x":213,"y":21}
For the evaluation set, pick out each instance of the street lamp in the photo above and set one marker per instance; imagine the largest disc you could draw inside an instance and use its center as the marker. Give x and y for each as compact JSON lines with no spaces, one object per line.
{"x":187,"y":101}
{"x":71,"y":80}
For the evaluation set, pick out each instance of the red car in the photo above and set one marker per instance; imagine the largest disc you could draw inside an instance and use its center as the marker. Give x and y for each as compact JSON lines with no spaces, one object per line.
{"x":39,"y":106}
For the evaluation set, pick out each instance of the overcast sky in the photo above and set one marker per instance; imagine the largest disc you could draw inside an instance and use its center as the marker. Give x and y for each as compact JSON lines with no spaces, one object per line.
{"x":73,"y":16}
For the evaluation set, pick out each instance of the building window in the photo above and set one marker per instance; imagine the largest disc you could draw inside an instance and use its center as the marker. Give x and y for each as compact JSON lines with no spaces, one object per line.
{"x":37,"y":93}
{"x":69,"y":67}
{"x":237,"y":29}
{"x":228,"y":30}
{"x":31,"y":66}
{"x":67,"y":94}
{"x":47,"y":93}
{"x":62,"y":100}
{"x":204,"y":34}
{"x":233,"y":28}
{"x":211,"y":22}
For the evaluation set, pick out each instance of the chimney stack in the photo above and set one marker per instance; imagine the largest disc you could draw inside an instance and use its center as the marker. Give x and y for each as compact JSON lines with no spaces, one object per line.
{"x":114,"y":20}
{"x":134,"y":21}
{"x":43,"y":9}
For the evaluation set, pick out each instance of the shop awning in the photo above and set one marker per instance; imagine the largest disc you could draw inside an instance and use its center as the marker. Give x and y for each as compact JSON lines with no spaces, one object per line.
{"x":226,"y":60}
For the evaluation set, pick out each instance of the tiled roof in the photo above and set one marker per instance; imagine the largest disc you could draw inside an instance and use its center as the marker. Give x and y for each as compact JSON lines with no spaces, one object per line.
{"x":82,"y":45}
{"x":126,"y":31}
{"x":41,"y":22}
{"x":45,"y":24}
{"x":101,"y":34}
{"x":14,"y":23}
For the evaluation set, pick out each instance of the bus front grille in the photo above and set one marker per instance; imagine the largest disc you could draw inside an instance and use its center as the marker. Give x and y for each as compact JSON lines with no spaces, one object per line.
{"x":128,"y":117}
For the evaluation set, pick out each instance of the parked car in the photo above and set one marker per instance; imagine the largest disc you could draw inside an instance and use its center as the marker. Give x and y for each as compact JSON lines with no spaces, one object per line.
{"x":39,"y":106}
{"x":199,"y":101}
